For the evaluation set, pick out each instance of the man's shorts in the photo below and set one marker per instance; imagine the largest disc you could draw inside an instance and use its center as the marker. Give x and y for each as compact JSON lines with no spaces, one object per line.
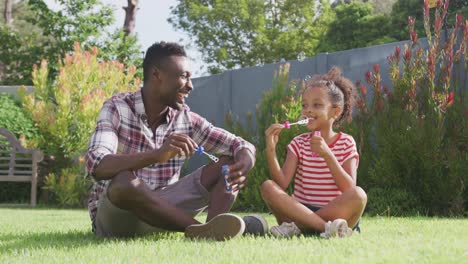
{"x":187,"y":194}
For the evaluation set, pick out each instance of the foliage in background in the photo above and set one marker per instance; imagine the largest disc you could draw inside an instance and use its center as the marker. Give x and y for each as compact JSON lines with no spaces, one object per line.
{"x":65,"y":110}
{"x":402,"y":9}
{"x":355,"y":26}
{"x":50,"y":34}
{"x":281,"y":103}
{"x":15,"y":120}
{"x":413,"y":139}
{"x":232,"y":34}
{"x":69,"y":187}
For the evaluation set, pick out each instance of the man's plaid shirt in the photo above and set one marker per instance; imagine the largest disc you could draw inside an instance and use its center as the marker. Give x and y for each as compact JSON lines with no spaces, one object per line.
{"x":122,"y":127}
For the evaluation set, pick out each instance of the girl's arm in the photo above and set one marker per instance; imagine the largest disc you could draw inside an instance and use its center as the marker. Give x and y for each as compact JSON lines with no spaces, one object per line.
{"x":345,"y":176}
{"x":281,"y":176}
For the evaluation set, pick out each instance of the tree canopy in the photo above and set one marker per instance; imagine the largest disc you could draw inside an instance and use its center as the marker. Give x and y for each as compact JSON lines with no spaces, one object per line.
{"x":241,"y":33}
{"x":54,"y":34}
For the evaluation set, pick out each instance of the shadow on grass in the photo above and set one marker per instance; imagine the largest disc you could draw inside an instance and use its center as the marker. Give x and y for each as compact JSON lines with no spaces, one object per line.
{"x":64,"y":240}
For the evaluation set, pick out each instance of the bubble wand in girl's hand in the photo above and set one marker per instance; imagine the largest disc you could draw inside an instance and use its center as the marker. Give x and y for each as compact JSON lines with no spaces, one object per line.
{"x":304,"y":121}
{"x":316,"y":133}
{"x":200,"y":151}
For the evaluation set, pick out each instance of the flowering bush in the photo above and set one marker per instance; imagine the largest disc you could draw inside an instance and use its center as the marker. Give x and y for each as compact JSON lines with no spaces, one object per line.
{"x":412,"y":138}
{"x":281,"y":103}
{"x":65,"y":110}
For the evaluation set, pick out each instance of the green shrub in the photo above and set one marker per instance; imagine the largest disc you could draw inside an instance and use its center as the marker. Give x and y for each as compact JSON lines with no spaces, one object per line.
{"x":69,"y":188}
{"x":278,"y":105}
{"x":391,"y":202}
{"x":65,"y":111}
{"x":14,"y":119}
{"x":412,"y":139}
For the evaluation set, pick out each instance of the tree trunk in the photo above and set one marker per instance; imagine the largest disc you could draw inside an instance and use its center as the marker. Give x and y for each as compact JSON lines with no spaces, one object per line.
{"x":130,"y":12}
{"x":7,"y":13}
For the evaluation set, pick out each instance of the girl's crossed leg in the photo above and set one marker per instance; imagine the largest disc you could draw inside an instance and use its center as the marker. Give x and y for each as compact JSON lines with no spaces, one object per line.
{"x":349,"y":206}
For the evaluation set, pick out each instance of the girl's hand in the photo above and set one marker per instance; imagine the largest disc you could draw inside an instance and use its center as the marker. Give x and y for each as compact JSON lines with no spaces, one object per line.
{"x":271,"y":135}
{"x":319,"y":146}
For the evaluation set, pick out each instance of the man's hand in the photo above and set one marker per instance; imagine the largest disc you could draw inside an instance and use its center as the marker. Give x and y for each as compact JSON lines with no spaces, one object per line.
{"x":244,"y":162}
{"x":176,"y":145}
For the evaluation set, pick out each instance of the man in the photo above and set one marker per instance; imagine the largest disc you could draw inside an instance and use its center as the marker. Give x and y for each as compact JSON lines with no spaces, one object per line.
{"x":138,"y":148}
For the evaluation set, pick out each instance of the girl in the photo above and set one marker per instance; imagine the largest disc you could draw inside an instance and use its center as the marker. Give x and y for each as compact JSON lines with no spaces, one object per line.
{"x":326,"y":198}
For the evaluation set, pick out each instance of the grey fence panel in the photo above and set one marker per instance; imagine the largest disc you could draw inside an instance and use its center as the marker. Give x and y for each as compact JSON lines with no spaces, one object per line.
{"x":211,"y":97}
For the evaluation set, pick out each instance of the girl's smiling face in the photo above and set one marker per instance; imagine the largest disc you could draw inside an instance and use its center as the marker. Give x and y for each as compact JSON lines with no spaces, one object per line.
{"x":316,"y":106}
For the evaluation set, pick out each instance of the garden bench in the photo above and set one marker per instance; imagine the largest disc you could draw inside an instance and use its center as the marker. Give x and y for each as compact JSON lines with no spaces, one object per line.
{"x":18,"y":164}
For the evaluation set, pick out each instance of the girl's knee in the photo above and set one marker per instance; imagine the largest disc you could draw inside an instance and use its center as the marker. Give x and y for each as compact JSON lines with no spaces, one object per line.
{"x":267,"y":188}
{"x":123,"y":185}
{"x":359,"y":194}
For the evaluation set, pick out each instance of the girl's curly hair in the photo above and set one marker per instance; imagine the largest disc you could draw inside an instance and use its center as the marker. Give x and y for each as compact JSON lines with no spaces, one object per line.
{"x":340,"y":89}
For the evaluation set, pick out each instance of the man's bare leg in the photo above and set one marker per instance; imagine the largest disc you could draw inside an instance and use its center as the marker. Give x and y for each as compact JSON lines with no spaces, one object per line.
{"x":132,"y":194}
{"x":213,"y":181}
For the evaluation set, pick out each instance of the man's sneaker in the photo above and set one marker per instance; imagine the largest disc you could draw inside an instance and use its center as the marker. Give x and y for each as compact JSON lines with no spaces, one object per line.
{"x":221,"y":227}
{"x":285,"y":230}
{"x":255,"y":225}
{"x":337,"y":228}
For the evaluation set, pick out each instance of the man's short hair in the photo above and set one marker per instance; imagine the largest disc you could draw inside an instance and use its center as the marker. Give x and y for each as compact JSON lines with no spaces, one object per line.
{"x":158,"y":53}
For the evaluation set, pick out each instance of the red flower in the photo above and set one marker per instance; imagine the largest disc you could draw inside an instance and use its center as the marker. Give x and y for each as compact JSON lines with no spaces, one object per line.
{"x":376,"y":68}
{"x":364,"y":89}
{"x":397,"y":52}
{"x":450,"y":99}
{"x":426,"y":8}
{"x":407,"y":55}
{"x":368,"y":77}
{"x":410,"y":21}
{"x":459,"y":19}
{"x":414,"y":36}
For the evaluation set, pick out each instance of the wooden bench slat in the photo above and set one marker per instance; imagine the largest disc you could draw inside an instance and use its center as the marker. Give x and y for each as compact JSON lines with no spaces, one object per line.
{"x":16,"y":171}
{"x":23,"y":166}
{"x":17,"y":158}
{"x":15,"y":178}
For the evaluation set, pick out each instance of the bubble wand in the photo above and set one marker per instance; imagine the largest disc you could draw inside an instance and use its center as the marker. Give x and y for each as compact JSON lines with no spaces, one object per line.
{"x":316,"y":133}
{"x":200,"y":150}
{"x":304,"y":121}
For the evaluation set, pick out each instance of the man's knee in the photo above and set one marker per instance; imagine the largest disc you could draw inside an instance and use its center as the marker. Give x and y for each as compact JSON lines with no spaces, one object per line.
{"x":123,"y":187}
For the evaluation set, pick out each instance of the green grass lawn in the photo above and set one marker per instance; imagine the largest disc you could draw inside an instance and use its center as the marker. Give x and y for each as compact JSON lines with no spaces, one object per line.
{"x":64,"y":236}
